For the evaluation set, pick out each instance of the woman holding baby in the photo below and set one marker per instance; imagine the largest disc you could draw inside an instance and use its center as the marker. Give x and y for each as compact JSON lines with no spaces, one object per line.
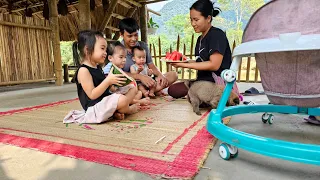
{"x":213,"y":54}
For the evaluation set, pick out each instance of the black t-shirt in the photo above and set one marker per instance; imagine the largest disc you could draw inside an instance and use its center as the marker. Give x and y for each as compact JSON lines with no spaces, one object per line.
{"x":214,"y":41}
{"x":97,"y":78}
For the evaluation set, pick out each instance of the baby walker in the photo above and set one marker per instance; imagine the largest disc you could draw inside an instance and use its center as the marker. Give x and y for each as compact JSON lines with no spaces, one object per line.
{"x":284,"y":37}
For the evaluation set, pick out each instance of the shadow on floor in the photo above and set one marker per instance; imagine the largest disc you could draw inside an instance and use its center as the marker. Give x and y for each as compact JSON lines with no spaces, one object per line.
{"x":3,"y":175}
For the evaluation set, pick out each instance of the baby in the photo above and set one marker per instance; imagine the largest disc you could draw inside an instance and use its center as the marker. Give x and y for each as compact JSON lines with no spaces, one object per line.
{"x":117,"y":56}
{"x":140,"y":67}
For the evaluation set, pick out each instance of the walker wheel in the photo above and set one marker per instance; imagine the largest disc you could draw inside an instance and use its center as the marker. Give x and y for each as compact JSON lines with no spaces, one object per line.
{"x":235,"y":155}
{"x":264,"y":117}
{"x":267,"y":117}
{"x":233,"y":151}
{"x":228,"y":75}
{"x":270,"y":119}
{"x":224,"y":151}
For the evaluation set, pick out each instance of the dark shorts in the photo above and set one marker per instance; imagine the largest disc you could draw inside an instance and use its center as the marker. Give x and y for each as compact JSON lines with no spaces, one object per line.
{"x":178,"y":90}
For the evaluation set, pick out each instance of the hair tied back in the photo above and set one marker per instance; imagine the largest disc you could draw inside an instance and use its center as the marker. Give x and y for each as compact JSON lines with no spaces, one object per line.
{"x":215,"y":11}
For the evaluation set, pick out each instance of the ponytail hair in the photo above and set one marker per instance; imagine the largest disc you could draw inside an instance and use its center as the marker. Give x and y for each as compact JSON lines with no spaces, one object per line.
{"x":216,"y":11}
{"x":206,"y":8}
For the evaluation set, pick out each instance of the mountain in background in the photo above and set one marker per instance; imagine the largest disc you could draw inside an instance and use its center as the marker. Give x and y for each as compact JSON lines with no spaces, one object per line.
{"x":177,"y":7}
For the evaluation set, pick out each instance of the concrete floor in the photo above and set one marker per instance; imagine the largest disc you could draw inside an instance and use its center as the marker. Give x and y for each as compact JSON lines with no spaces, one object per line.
{"x":19,"y":163}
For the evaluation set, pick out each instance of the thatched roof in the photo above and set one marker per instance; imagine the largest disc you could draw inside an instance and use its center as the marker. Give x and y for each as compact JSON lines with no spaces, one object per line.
{"x":69,"y":17}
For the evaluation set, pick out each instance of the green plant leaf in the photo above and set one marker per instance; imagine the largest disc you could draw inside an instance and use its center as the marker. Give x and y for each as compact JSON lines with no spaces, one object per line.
{"x":152,"y":24}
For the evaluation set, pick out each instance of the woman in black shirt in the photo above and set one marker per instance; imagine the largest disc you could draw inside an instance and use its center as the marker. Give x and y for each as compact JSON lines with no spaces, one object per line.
{"x":213,"y":54}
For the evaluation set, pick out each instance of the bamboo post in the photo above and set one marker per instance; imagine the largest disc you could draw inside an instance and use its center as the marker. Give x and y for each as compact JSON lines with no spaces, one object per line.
{"x":155,"y":55}
{"x":178,"y":43}
{"x":178,"y":47}
{"x":159,"y":43}
{"x":248,"y":69}
{"x":84,"y":15}
{"x":150,"y":48}
{"x":234,"y":45}
{"x":256,"y":74}
{"x":54,"y":23}
{"x":191,"y":51}
{"x":239,"y":72}
{"x":66,"y":73}
{"x":184,"y":52}
{"x":143,"y":23}
{"x":167,"y":64}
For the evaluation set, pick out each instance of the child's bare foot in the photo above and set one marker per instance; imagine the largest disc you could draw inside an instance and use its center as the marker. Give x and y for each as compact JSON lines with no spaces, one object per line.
{"x":118,"y":116}
{"x":146,"y":94}
{"x":151,"y":94}
{"x":144,"y":101}
{"x":134,"y":108}
{"x":160,"y":93}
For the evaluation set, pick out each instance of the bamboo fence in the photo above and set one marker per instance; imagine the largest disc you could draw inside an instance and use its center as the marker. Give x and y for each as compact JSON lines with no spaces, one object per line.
{"x":25,"y":50}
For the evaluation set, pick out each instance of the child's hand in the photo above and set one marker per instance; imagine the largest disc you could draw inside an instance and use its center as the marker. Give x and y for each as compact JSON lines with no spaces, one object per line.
{"x":116,"y":79}
{"x":150,"y":72}
{"x":140,"y":68}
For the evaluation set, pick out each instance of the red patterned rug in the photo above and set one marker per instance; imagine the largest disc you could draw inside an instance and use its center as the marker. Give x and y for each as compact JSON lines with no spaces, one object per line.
{"x":165,"y":140}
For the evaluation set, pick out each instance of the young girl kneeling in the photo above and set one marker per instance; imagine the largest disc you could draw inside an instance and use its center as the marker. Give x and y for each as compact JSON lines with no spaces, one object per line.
{"x":93,"y":87}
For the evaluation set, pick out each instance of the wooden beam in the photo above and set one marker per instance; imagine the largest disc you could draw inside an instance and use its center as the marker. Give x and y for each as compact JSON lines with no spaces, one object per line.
{"x":4,"y":6}
{"x":25,"y":81}
{"x":143,"y":24}
{"x":131,"y":13}
{"x":84,"y":15}
{"x":134,"y":3}
{"x":150,"y":2}
{"x":118,"y":16}
{"x":70,"y":5}
{"x":107,"y":16}
{"x":37,"y":5}
{"x":20,"y":9}
{"x":113,"y":28}
{"x":124,"y":4}
{"x":72,"y":28}
{"x":54,"y":23}
{"x":5,"y":23}
{"x":154,"y":12}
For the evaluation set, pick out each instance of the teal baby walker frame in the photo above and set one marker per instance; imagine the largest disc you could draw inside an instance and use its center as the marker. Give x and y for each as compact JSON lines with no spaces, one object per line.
{"x":283,"y":42}
{"x":233,"y":139}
